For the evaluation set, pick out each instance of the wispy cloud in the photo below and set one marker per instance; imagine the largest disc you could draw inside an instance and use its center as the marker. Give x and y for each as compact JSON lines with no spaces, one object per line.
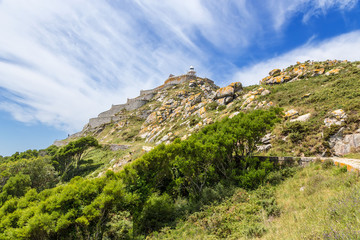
{"x":340,"y":47}
{"x":283,"y":10}
{"x":62,"y":61}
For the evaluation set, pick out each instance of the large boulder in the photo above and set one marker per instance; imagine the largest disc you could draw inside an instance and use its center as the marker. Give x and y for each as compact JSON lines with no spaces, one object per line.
{"x":302,"y":118}
{"x":224,"y":92}
{"x":265,"y":92}
{"x":291,"y":113}
{"x":237,"y":86}
{"x":195,"y":99}
{"x":275,"y":72}
{"x":333,"y":72}
{"x":151,"y":118}
{"x":337,"y":118}
{"x":318,"y":71}
{"x":339,"y":114}
{"x":347,"y":144}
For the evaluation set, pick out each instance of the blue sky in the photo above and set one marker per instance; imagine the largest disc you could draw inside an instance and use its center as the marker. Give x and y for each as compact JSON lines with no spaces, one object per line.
{"x":64,"y":61}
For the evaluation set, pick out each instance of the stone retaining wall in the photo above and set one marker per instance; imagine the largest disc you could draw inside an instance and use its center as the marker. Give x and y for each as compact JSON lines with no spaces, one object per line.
{"x":112,"y":111}
{"x":150,"y":91}
{"x":97,"y":122}
{"x":134,"y":103}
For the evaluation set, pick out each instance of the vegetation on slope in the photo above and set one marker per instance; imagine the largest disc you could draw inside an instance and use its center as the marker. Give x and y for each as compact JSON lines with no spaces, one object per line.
{"x":44,"y":195}
{"x":153,"y":192}
{"x":319,"y":95}
{"x":319,"y":202}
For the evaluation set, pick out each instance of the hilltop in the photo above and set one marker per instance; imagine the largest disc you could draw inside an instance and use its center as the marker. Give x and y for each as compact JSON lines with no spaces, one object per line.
{"x":320,"y":102}
{"x":192,"y":160}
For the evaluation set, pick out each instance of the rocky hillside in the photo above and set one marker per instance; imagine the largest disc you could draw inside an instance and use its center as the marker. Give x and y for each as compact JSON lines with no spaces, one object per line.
{"x":321,"y":105}
{"x":208,"y":185}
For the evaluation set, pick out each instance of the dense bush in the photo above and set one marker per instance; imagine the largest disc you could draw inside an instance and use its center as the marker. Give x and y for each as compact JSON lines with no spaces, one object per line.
{"x":296,"y":130}
{"x":69,"y":156}
{"x":148,"y":194}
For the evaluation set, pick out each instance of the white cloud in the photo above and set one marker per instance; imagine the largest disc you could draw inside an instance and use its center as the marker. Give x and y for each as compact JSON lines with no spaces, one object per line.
{"x":64,"y":61}
{"x":341,"y":47}
{"x":68,"y":61}
{"x":283,"y":10}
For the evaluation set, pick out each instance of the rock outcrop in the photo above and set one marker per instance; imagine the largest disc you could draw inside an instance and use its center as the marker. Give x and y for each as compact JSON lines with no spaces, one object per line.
{"x":337,"y":117}
{"x":302,"y":118}
{"x":186,"y":103}
{"x":302,"y":70}
{"x":346,"y":144}
{"x":114,"y":114}
{"x":225,"y":95}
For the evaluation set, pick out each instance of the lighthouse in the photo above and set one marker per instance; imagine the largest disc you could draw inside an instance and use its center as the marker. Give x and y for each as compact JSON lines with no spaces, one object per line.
{"x":191,"y":71}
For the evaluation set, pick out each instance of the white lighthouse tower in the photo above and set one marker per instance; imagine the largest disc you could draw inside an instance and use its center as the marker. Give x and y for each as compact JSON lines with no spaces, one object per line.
{"x":191,"y":71}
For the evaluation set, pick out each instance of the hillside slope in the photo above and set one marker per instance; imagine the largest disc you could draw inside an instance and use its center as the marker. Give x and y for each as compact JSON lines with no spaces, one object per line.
{"x":321,"y":105}
{"x":201,"y":179}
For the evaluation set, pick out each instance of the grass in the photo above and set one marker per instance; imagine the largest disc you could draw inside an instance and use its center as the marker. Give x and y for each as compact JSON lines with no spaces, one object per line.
{"x":320,"y":201}
{"x":352,"y":155}
{"x":242,"y":215}
{"x":316,"y":204}
{"x":327,"y":93}
{"x":96,"y":160}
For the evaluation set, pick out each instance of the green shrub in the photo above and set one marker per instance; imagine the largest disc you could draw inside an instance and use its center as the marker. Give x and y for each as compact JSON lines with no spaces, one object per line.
{"x":158,"y":212}
{"x":221,"y":107}
{"x":120,"y":227}
{"x":330,"y":131}
{"x":340,"y":170}
{"x":16,"y":186}
{"x":194,"y":120}
{"x":328,"y":163}
{"x":296,"y":130}
{"x":212,"y":106}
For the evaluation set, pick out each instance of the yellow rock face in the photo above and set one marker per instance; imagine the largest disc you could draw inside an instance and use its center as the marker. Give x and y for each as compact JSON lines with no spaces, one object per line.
{"x":339,"y":114}
{"x":236,"y":85}
{"x":319,"y":71}
{"x":151,"y":118}
{"x":274,"y":72}
{"x":221,"y":101}
{"x":286,"y":78}
{"x":249,"y":99}
{"x":224,"y":92}
{"x":333,"y":71}
{"x":192,"y":109}
{"x":202,"y":110}
{"x":265,"y":79}
{"x":291,"y":113}
{"x":298,"y":71}
{"x":278,"y":79}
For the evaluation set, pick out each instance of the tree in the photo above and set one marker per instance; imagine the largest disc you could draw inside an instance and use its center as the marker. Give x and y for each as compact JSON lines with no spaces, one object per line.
{"x":157,"y":212}
{"x":16,"y":186}
{"x":71,"y":154}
